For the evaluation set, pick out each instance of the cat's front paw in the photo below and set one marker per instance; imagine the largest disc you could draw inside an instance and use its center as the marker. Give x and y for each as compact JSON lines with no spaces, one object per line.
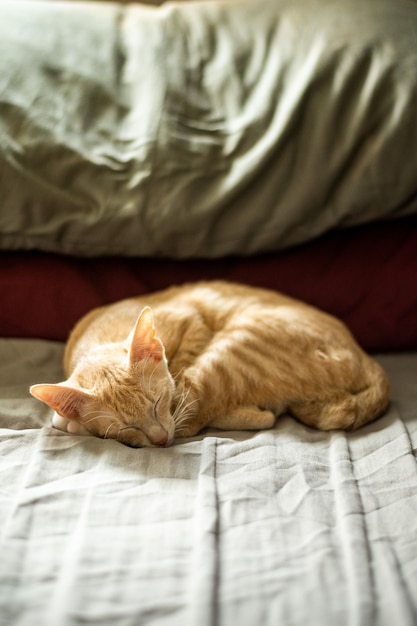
{"x":68,"y":426}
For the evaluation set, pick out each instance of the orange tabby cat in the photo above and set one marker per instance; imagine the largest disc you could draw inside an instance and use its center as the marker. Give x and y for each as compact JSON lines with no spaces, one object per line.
{"x":211,"y":354}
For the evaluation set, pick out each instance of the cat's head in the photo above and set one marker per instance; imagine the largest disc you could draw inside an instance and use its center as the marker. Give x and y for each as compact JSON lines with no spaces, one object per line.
{"x":121,"y":391}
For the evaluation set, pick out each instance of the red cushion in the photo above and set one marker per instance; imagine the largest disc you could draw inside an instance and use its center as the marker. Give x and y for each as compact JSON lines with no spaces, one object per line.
{"x":367,"y":276}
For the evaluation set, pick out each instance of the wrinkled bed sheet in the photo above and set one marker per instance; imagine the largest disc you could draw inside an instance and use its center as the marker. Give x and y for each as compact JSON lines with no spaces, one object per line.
{"x":289,"y":526}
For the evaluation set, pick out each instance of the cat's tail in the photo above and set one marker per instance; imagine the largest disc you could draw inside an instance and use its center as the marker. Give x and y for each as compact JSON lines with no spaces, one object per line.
{"x":372,"y":401}
{"x":347,"y":410}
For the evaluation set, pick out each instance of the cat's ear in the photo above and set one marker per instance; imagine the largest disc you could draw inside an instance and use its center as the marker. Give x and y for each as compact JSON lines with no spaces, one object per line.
{"x":65,"y":400}
{"x":143,"y":340}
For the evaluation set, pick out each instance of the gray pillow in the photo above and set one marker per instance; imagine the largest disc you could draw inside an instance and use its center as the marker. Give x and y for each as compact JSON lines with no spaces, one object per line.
{"x":206,"y":129}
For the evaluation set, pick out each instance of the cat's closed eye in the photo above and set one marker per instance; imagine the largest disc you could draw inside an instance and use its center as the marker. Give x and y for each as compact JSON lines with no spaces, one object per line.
{"x":161,"y":406}
{"x":155,"y":408}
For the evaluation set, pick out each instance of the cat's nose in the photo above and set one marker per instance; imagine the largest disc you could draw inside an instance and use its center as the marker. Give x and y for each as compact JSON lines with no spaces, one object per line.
{"x":157,"y":435}
{"x":160,"y":441}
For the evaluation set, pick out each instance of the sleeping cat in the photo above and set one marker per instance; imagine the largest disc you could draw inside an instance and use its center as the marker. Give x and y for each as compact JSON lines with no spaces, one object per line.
{"x":211,"y":354}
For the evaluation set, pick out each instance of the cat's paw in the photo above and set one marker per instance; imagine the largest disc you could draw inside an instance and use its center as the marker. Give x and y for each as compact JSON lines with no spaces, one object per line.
{"x":68,"y":426}
{"x":245,"y":418}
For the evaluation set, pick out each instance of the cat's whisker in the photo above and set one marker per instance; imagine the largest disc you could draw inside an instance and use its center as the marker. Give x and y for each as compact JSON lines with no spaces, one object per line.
{"x":178,"y":374}
{"x":108,"y":430}
{"x":183,"y":406}
{"x":92,"y":419}
{"x":183,"y":412}
{"x":184,"y":417}
{"x":97,"y":415}
{"x":184,"y":396}
{"x":179,"y":429}
{"x":178,"y":409}
{"x":183,"y":420}
{"x":182,"y":424}
{"x":117,"y":437}
{"x":97,"y":412}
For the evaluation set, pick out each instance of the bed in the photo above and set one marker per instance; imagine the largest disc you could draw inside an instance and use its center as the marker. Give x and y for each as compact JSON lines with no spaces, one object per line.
{"x":269,"y":142}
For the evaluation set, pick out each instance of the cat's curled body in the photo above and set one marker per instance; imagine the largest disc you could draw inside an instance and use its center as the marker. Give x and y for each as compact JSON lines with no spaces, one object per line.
{"x":211,"y":354}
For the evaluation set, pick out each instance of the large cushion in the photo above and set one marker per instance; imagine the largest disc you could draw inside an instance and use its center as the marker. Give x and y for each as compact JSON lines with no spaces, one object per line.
{"x":203,"y":129}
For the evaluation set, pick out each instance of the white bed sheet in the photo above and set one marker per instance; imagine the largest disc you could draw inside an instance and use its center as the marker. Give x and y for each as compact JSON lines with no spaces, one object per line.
{"x":289,"y":526}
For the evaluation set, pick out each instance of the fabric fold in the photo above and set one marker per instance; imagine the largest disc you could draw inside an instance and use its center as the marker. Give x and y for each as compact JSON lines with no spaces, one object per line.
{"x":203,"y":586}
{"x":351,"y":532}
